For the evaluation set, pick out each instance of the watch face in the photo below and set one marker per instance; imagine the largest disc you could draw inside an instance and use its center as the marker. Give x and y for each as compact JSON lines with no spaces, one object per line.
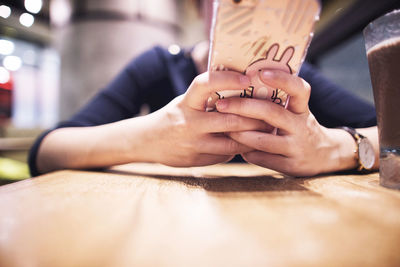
{"x":366,"y":154}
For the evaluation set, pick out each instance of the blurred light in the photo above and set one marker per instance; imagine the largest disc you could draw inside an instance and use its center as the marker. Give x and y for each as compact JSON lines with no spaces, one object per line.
{"x":60,"y":12}
{"x":5,"y":11}
{"x":4,"y":75}
{"x":6,"y":47}
{"x":174,"y":49}
{"x":33,"y":6}
{"x":29,"y":57}
{"x":26,"y":19}
{"x":12,"y":63}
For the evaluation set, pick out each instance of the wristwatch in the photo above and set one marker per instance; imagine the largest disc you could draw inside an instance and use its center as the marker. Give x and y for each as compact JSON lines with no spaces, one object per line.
{"x":365,"y":153}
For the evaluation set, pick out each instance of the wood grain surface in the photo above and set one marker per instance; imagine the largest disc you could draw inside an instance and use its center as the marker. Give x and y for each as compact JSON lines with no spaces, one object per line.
{"x":222,"y":215}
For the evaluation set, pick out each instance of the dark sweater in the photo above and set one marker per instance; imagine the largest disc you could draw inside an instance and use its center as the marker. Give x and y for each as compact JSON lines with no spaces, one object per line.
{"x":156,"y":77}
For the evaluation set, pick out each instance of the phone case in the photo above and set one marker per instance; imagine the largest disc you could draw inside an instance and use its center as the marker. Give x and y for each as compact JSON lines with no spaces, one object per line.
{"x":250,"y":35}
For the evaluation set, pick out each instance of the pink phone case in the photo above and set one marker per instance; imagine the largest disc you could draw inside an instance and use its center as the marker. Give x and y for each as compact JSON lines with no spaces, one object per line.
{"x":250,"y":35}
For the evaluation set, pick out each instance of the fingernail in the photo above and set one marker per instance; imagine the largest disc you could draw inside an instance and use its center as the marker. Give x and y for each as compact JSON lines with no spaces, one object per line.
{"x":267,"y":74}
{"x":221,"y":104}
{"x":244,"y":80}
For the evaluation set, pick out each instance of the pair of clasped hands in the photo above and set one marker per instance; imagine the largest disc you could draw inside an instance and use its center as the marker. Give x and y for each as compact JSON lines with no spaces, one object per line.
{"x":190,"y":136}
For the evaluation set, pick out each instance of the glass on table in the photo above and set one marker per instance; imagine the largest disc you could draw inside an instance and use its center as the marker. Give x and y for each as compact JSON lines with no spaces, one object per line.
{"x":382,"y":41}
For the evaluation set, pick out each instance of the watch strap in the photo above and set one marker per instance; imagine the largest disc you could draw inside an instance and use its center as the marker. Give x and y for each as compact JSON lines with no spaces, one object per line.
{"x":356,"y":135}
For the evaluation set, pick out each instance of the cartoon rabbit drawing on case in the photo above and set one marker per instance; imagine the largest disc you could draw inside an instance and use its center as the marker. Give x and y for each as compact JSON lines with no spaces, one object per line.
{"x":258,"y":89}
{"x":262,"y":91}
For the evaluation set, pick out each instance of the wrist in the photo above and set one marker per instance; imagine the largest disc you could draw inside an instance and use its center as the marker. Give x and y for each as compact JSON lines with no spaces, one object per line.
{"x":136,"y":138}
{"x":344,"y":153}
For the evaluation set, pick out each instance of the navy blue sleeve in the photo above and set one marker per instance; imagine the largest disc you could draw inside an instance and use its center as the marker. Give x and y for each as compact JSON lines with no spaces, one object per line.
{"x":125,"y":95}
{"x":142,"y":81}
{"x":333,"y":106}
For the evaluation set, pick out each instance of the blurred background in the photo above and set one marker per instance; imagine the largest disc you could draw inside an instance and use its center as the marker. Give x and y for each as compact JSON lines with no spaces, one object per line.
{"x":56,"y":54}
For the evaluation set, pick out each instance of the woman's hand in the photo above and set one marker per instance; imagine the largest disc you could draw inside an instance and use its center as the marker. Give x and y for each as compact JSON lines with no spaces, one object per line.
{"x":183,"y":134}
{"x":180,"y":134}
{"x":302,"y":147}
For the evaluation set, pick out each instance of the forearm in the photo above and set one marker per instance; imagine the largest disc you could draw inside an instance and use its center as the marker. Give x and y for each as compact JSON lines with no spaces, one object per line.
{"x":92,"y":147}
{"x":179,"y":134}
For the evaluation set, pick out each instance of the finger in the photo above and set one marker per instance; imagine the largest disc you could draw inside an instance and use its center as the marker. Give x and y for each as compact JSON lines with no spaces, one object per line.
{"x":215,"y":122}
{"x":298,"y":89}
{"x":264,"y":142}
{"x":269,"y":112}
{"x":208,"y":83}
{"x":209,"y":159}
{"x":221,"y":145}
{"x":271,"y":161}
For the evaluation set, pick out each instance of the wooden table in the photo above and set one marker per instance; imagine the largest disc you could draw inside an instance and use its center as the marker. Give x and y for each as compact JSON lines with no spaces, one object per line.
{"x":222,"y":215}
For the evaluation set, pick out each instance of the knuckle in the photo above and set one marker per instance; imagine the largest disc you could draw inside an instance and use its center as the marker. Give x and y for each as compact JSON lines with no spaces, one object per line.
{"x":307,"y":87}
{"x":231,"y":147}
{"x":281,"y":77}
{"x":285,"y":78}
{"x":231,"y":122}
{"x":179,"y":123}
{"x":199,"y":79}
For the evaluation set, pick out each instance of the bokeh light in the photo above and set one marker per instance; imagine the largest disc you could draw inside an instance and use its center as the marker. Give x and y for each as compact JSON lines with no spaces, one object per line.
{"x":26,"y":19}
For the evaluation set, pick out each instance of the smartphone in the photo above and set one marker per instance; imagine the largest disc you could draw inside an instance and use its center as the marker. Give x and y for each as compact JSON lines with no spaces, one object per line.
{"x":250,"y":35}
